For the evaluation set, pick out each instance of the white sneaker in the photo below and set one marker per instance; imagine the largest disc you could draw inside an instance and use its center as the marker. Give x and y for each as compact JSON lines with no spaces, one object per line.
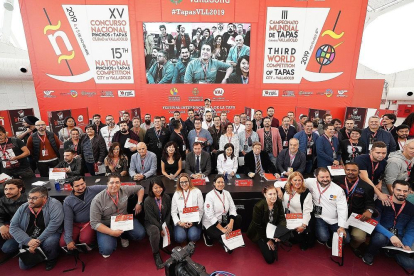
{"x":124,"y":242}
{"x":106,"y":256}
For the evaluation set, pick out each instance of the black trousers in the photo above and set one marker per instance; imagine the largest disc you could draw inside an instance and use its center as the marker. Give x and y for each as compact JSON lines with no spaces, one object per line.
{"x":269,"y":255}
{"x":214,"y":233}
{"x":43,"y":167}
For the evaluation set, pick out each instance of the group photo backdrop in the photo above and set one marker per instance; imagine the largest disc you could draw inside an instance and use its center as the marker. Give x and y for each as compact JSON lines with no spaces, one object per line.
{"x":93,"y":54}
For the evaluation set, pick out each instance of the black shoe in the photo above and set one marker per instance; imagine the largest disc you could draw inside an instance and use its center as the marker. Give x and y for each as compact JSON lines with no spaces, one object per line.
{"x":50,"y":264}
{"x":357,"y":252}
{"x":368,"y":260}
{"x":207,"y":240}
{"x":303,"y":246}
{"x":158,"y":261}
{"x":329,"y":243}
{"x":6,"y":257}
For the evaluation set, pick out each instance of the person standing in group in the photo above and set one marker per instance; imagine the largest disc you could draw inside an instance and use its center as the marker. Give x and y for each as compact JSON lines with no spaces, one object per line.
{"x":93,"y":150}
{"x":270,"y":139}
{"x":109,"y":130}
{"x":68,"y":124}
{"x":156,"y":138}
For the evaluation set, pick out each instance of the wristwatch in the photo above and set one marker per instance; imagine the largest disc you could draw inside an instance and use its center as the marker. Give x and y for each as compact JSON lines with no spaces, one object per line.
{"x":370,"y":210}
{"x":141,"y":203}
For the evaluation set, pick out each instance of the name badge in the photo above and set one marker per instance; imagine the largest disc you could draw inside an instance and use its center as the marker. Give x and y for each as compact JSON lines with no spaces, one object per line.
{"x":370,"y":146}
{"x":317,"y":210}
{"x":245,"y":147}
{"x":45,"y":152}
{"x":309,"y":151}
{"x":285,"y":143}
{"x":287,"y":211}
{"x":334,"y":155}
{"x":184,"y":147}
{"x":159,"y":145}
{"x":224,"y":219}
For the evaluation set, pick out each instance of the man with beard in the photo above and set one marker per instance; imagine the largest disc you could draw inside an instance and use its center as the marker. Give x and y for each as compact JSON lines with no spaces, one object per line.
{"x":204,"y":69}
{"x":352,"y":147}
{"x":137,"y":129}
{"x":270,"y":139}
{"x":238,"y":50}
{"x":72,"y":165}
{"x":302,"y":119}
{"x":388,"y":123}
{"x":156,"y":138}
{"x":327,"y":119}
{"x":399,"y":165}
{"x":147,"y":124}
{"x":181,"y":66}
{"x":270,"y":113}
{"x":182,"y":40}
{"x":243,"y":118}
{"x":166,"y":42}
{"x":207,"y":38}
{"x":372,"y":168}
{"x":29,"y":123}
{"x":44,"y":146}
{"x":307,"y":140}
{"x":330,"y":207}
{"x":124,"y":135}
{"x":76,"y":208}
{"x":240,"y":30}
{"x":327,"y":148}
{"x":162,"y":71}
{"x":198,"y":134}
{"x":395,"y":226}
{"x":258,"y":120}
{"x":189,"y":123}
{"x":208,"y":122}
{"x":293,"y":122}
{"x":194,"y":53}
{"x":151,"y":59}
{"x":97,"y":124}
{"x":346,"y":130}
{"x":207,"y":107}
{"x":216,"y":130}
{"x":164,"y":122}
{"x":125,"y":117}
{"x":13,"y":198}
{"x":374,"y":133}
{"x":224,"y":121}
{"x":401,"y":132}
{"x":109,"y":131}
{"x":286,"y":132}
{"x":177,"y":117}
{"x":229,"y":36}
{"x":360,"y":198}
{"x":337,"y":126}
{"x":38,"y":223}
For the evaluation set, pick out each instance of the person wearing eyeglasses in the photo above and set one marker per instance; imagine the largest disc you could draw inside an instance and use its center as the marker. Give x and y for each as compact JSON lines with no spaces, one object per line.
{"x":38,"y":224}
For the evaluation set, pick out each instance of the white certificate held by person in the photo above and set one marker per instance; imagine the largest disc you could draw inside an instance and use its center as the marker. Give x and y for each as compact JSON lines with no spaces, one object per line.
{"x":366,"y":226}
{"x":233,"y":239}
{"x":122,"y":222}
{"x":166,"y":239}
{"x":294,"y":220}
{"x":190,"y":214}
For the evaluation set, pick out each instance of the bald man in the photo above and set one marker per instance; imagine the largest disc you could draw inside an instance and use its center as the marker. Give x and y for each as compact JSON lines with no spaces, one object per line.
{"x":143,"y":163}
{"x":238,"y":50}
{"x":44,"y":147}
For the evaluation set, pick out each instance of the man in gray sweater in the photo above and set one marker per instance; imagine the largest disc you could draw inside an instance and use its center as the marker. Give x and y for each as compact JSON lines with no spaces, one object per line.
{"x":76,"y":208}
{"x":38,"y":224}
{"x":110,"y":203}
{"x":399,"y":165}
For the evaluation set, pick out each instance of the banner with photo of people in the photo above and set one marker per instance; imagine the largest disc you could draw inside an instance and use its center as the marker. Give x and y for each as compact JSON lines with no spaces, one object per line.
{"x":197,"y":53}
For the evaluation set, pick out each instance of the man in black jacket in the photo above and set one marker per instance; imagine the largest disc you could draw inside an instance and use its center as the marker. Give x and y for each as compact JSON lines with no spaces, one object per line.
{"x":360,"y":198}
{"x":124,"y":135}
{"x":291,"y":159}
{"x":13,"y":198}
{"x":257,"y":161}
{"x":156,"y":138}
{"x":72,"y":165}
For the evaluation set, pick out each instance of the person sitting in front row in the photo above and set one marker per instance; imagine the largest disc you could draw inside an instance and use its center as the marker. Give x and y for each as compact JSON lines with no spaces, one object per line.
{"x":116,"y":161}
{"x":157,"y":212}
{"x":220,"y":213}
{"x":258,"y":161}
{"x":171,"y":164}
{"x":227,"y":162}
{"x":38,"y":223}
{"x":143,"y":163}
{"x":267,"y":210}
{"x":291,"y":159}
{"x":76,"y":208}
{"x":72,"y":165}
{"x":113,"y":202}
{"x":197,"y":162}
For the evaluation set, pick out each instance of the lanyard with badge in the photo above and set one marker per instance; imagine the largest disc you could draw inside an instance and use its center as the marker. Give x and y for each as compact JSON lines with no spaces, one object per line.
{"x":158,"y":135}
{"x":224,"y":219}
{"x":353,"y":148}
{"x":351,"y":191}
{"x":332,"y":146}
{"x":6,"y":156}
{"x":36,"y":230}
{"x":114,"y":201}
{"x":248,"y":141}
{"x":373,"y":168}
{"x":393,"y":229}
{"x":285,"y":141}
{"x":318,"y":209}
{"x":372,"y":139}
{"x":402,"y":145}
{"x":291,"y":195}
{"x":409,"y":166}
{"x":44,"y":150}
{"x":182,"y":138}
{"x":309,"y":145}
{"x":292,"y":158}
{"x":159,"y":204}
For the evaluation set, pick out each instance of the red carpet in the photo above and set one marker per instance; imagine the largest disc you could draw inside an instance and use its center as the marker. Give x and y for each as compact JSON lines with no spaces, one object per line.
{"x":137,"y":260}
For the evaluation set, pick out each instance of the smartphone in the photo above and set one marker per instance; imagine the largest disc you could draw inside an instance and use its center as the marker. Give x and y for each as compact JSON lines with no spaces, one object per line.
{"x":237,"y":176}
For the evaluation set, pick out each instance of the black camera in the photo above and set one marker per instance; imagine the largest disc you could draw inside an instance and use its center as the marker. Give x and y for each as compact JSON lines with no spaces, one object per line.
{"x":180,"y":263}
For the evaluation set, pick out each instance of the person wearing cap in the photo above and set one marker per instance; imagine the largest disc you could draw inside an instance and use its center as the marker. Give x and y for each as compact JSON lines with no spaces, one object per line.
{"x":207,"y":107}
{"x":29,"y":123}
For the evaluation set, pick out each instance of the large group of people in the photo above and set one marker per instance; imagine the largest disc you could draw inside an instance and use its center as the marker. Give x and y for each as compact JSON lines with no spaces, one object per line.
{"x":209,"y":56}
{"x":376,"y":183}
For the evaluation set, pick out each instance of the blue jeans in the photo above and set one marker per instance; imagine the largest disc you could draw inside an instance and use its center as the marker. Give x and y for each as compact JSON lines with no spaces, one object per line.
{"x":404,"y":260}
{"x":107,"y":244}
{"x":50,"y":247}
{"x":10,"y":246}
{"x":272,"y":158}
{"x":181,"y":234}
{"x":324,"y":231}
{"x":377,"y":241}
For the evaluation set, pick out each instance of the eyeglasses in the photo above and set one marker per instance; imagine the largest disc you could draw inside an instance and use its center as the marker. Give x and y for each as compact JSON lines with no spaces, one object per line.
{"x":184,"y":182}
{"x":35,"y":198}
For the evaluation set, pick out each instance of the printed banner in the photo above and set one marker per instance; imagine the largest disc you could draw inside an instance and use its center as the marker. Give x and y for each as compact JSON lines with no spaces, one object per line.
{"x":57,"y":119}
{"x":16,"y":119}
{"x":358,"y":114}
{"x":5,"y":122}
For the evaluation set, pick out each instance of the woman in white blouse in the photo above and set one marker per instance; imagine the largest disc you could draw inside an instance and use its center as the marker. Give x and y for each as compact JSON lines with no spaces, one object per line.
{"x":227,"y":162}
{"x":297,"y":200}
{"x":189,"y":198}
{"x":229,"y":137}
{"x":220,"y":214}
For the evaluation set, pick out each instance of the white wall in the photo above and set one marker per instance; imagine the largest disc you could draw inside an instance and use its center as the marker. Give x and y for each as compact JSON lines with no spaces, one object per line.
{"x":18,"y":95}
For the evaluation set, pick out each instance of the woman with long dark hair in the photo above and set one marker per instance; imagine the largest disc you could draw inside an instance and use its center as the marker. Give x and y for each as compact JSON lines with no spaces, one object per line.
{"x":219,"y":51}
{"x":68,"y":124}
{"x":227,"y":162}
{"x":116,"y":162}
{"x":242,"y":71}
{"x":171,"y":164}
{"x":93,"y":149}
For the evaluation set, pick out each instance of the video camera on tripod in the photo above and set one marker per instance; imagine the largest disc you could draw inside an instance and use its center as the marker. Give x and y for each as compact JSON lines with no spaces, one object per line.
{"x":180,"y":263}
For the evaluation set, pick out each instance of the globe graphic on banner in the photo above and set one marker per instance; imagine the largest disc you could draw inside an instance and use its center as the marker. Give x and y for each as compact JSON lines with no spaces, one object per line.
{"x":325,"y":54}
{"x":173,"y":91}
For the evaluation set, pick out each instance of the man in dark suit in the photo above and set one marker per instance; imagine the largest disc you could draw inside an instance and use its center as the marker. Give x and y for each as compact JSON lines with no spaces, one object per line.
{"x":156,"y":138}
{"x":257,"y":161}
{"x":258,"y":120}
{"x":291,"y":158}
{"x":198,"y":162}
{"x":182,"y":40}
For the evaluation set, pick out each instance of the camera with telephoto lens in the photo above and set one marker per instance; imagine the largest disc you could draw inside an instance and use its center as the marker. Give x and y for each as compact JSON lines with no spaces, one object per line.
{"x":180,"y":263}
